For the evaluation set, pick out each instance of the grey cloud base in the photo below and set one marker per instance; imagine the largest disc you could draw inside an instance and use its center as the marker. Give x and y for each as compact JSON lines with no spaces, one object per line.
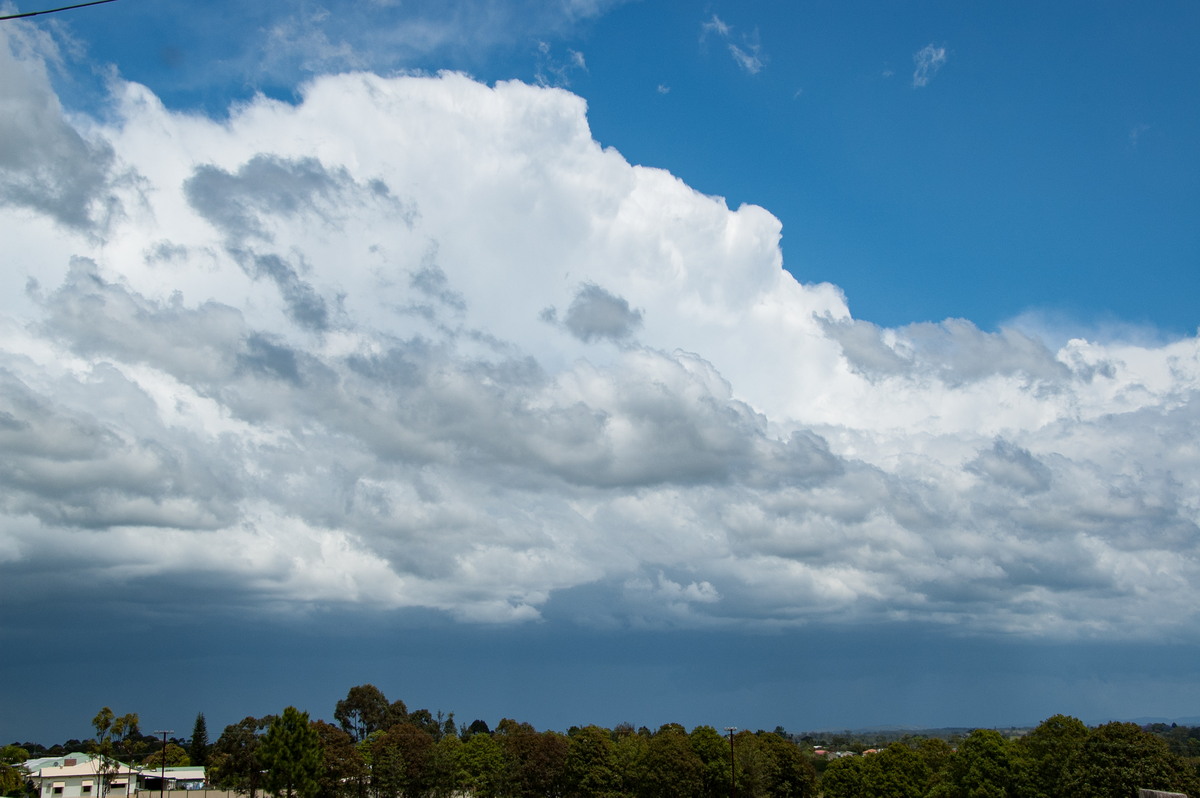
{"x":46,"y":165}
{"x":316,"y":361}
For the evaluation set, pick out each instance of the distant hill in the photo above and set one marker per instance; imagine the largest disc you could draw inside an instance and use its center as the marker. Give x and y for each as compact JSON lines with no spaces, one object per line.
{"x":884,"y":734}
{"x":1194,"y":720}
{"x":949,"y":731}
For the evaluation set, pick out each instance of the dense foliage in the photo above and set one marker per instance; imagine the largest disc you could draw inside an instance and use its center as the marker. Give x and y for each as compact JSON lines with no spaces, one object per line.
{"x":290,"y":754}
{"x":379,"y":749}
{"x":1061,"y":758}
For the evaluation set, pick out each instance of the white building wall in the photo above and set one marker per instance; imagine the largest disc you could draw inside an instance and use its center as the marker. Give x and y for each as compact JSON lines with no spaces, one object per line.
{"x":63,"y":783}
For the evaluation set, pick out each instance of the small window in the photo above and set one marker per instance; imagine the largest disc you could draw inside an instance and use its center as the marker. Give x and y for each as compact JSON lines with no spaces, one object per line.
{"x":58,"y":790}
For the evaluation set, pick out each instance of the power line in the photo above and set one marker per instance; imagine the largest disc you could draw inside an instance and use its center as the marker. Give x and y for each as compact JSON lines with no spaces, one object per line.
{"x":52,"y":10}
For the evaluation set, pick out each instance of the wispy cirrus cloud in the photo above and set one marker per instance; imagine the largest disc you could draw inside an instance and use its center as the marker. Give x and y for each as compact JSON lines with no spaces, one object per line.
{"x":749,"y":59}
{"x":928,"y":60}
{"x":746,"y":51}
{"x":715,"y":24}
{"x":555,"y":70}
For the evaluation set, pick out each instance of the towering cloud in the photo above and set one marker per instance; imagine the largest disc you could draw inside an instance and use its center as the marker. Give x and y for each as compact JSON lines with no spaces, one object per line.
{"x":423,"y":342}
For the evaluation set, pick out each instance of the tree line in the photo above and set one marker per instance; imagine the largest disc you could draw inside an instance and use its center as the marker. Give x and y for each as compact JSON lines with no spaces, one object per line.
{"x":377,"y":748}
{"x":1061,"y":758}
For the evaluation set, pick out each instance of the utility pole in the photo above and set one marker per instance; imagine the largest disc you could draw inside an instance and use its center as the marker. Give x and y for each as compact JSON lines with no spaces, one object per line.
{"x":162,"y":786}
{"x":732,"y":767}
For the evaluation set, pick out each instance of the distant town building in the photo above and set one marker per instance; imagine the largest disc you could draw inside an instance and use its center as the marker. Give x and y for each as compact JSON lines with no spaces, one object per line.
{"x":80,"y":776}
{"x":178,"y":778}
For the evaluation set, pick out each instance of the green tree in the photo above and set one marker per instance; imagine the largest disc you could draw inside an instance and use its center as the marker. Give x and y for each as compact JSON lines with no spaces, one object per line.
{"x":291,"y":756}
{"x":984,"y":766}
{"x":714,"y":753}
{"x":198,"y":748}
{"x":477,"y":727}
{"x":535,"y":762}
{"x":13,"y":754}
{"x":445,"y":766}
{"x":483,"y":766}
{"x":629,"y":758}
{"x":449,"y":727}
{"x":387,"y":768}
{"x":425,"y":720}
{"x":11,"y":776}
{"x":174,"y":755}
{"x":234,"y":762}
{"x":397,"y":713}
{"x":789,"y":773}
{"x":10,"y":779}
{"x":1048,"y":754}
{"x":935,"y":753}
{"x":402,"y":759}
{"x":1118,"y":759}
{"x":750,"y":766}
{"x":1182,"y":740}
{"x":845,"y":777}
{"x":365,"y":710}
{"x":671,"y":768}
{"x":343,"y":770}
{"x":590,"y":766}
{"x":113,"y":732}
{"x":897,"y":772}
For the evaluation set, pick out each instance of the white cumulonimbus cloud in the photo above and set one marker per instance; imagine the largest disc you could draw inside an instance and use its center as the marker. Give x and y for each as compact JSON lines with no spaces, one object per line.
{"x":420,"y":342}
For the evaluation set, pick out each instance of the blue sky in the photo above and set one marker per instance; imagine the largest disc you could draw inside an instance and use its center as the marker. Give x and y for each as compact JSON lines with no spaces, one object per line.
{"x":806,"y":364}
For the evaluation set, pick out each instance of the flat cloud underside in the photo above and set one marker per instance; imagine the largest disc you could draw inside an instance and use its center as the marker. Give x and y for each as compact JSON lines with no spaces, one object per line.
{"x":334,"y":361}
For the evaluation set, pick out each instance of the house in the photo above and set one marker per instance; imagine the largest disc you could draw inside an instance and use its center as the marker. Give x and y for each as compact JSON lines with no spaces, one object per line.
{"x":178,"y":778}
{"x":81,"y":776}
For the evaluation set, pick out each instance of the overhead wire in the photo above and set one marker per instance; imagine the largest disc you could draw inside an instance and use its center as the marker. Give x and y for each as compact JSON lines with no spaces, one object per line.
{"x":53,"y":10}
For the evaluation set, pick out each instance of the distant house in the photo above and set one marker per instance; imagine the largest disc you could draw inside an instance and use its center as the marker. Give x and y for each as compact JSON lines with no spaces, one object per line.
{"x":80,"y":776}
{"x":179,"y":778}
